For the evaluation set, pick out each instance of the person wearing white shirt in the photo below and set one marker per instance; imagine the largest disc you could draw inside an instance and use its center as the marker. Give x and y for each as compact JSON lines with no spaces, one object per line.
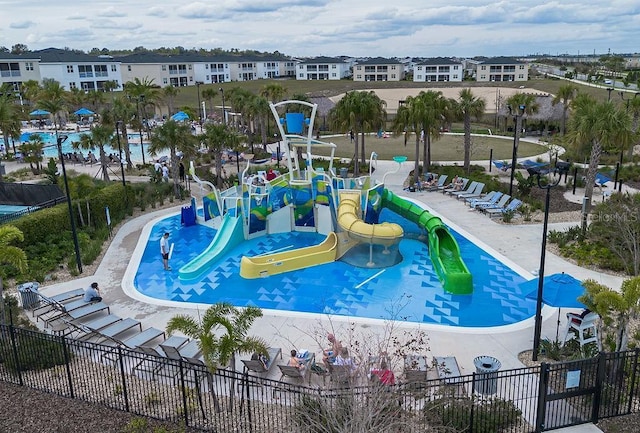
{"x":164,"y":250}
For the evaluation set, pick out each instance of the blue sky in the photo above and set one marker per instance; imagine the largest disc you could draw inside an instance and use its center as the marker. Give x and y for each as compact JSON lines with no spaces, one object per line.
{"x":329,"y":27}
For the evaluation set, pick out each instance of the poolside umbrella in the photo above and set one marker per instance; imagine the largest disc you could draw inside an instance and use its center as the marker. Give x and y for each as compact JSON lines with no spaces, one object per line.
{"x":84,"y":112}
{"x":180,"y":116}
{"x":39,"y":112}
{"x":559,"y":290}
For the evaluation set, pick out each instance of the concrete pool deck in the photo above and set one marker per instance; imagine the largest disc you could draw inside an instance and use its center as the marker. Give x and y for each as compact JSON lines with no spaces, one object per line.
{"x":520,"y":244}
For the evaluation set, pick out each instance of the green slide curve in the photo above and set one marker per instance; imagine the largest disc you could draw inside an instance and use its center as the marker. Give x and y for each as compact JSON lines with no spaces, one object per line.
{"x":443,"y":248}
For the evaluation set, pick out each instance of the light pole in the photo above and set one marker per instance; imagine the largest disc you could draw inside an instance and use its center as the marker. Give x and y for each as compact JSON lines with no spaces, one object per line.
{"x":198,"y":83}
{"x":59,"y":140}
{"x":118,"y":125}
{"x":224,"y":110}
{"x":516,"y":140}
{"x":561,"y":168}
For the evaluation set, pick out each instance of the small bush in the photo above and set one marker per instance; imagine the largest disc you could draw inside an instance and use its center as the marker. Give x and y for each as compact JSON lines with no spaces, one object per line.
{"x":489,"y":416}
{"x":34,"y":351}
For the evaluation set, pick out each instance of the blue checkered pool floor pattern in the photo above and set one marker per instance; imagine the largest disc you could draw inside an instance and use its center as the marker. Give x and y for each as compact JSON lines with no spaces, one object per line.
{"x":409,"y":291}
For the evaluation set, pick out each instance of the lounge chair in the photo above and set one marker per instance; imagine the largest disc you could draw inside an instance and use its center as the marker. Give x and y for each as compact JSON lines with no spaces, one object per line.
{"x":470,"y":187}
{"x":60,"y":310}
{"x":511,"y":207}
{"x":497,"y":205}
{"x":84,"y":330}
{"x":341,"y":374}
{"x":47,"y":302}
{"x":113,"y":331}
{"x":62,"y":323}
{"x":477,"y":192}
{"x":450,"y":187}
{"x":440,"y":184}
{"x":486,"y":198}
{"x":257,"y":366}
{"x":502,"y":165}
{"x":415,"y":369}
{"x":294,"y":372}
{"x":156,"y":359}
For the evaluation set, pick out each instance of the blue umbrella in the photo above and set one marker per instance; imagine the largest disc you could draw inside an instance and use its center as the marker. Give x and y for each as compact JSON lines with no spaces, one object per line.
{"x":558,"y":290}
{"x":180,"y":116}
{"x":84,"y":112}
{"x":39,"y":112}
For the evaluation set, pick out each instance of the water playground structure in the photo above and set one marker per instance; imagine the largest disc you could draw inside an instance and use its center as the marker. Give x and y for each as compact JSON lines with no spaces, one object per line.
{"x":345,"y":210}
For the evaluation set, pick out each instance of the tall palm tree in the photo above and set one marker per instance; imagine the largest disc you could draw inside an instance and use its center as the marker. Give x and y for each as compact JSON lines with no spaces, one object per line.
{"x":374,"y":117}
{"x":209,"y":94}
{"x":239,"y":99}
{"x":53,"y":98}
{"x":124,"y":110}
{"x":259,"y":110}
{"x":565,"y":94}
{"x":596,"y":127}
{"x":633,"y":108}
{"x":32,"y":151}
{"x":100,"y":137}
{"x":169,"y":93}
{"x":274,"y":92}
{"x":409,"y":118}
{"x":435,"y":113}
{"x":466,"y":107}
{"x":9,"y":120}
{"x":10,"y":255}
{"x":216,"y":137}
{"x":173,"y":136}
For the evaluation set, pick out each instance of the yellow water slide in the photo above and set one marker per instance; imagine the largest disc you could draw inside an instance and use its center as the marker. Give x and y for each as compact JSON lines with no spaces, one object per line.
{"x":350,"y":220}
{"x":278,"y":263}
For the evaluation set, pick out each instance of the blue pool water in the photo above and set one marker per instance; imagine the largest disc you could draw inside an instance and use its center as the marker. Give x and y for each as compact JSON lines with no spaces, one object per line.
{"x":51,"y":151}
{"x":409,"y":291}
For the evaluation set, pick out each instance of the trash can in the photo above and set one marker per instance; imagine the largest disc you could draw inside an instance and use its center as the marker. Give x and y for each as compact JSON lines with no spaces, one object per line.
{"x":29,"y":295}
{"x":344,"y":172}
{"x":486,"y":379}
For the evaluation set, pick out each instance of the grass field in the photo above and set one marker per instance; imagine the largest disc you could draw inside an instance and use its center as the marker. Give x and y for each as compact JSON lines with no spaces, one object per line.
{"x":447,"y":148}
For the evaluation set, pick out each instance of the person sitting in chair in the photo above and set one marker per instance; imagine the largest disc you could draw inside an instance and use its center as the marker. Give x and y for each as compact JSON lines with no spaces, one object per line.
{"x":296,"y":362}
{"x":383,"y":374}
{"x":344,"y":359}
{"x":329,"y":355}
{"x":92,"y":293}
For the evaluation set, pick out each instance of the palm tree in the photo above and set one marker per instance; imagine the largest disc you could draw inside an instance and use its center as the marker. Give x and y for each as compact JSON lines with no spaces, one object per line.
{"x":375,"y":116}
{"x":239,"y":99}
{"x":216,"y":137}
{"x":596,"y":127}
{"x":173,"y":136}
{"x":32,"y":151}
{"x":220,"y":350}
{"x":409,"y":118}
{"x":100,"y":137}
{"x":169,"y":92}
{"x":435,"y":113}
{"x":209,"y":94}
{"x":10,"y":255}
{"x":9,"y":121}
{"x":465,"y":108}
{"x":124,"y":110}
{"x":633,"y":107}
{"x":259,"y":110}
{"x":53,"y":98}
{"x":358,"y":112}
{"x":274,"y":91}
{"x":565,"y":94}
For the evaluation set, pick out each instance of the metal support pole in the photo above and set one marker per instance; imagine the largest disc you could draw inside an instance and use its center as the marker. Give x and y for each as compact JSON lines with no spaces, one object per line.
{"x":61,"y":139}
{"x":514,"y":155}
{"x":538,"y":318}
{"x":118,"y":124}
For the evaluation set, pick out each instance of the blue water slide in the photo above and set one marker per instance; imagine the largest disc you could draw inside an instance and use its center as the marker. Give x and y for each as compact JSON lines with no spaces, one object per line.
{"x":229,"y":235}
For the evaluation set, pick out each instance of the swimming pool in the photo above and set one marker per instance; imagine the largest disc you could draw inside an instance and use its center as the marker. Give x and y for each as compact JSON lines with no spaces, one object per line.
{"x":51,"y":151}
{"x":409,"y":291}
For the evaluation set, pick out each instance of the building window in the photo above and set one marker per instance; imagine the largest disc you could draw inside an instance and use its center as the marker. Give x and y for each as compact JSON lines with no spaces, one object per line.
{"x":206,"y":66}
{"x":28,"y":66}
{"x":483,"y":68}
{"x":129,"y":68}
{"x":301,"y":75}
{"x":359,"y":77}
{"x":333,"y":74}
{"x":85,"y":71}
{"x":164,"y":67}
{"x":69,"y":69}
{"x":164,"y":81}
{"x":72,"y":85}
{"x":190,"y":66}
{"x":455,"y":76}
{"x":483,"y":77}
{"x":114,"y":68}
{"x":521,"y":76}
{"x":419,"y":68}
{"x":521,"y":66}
{"x":393,"y":67}
{"x":393,"y":75}
{"x":455,"y":68}
{"x":333,"y":66}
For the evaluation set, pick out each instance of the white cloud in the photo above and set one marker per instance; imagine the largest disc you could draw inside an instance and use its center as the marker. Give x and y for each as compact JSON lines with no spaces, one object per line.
{"x":22,"y":25}
{"x":157,"y":12}
{"x":111,"y":12}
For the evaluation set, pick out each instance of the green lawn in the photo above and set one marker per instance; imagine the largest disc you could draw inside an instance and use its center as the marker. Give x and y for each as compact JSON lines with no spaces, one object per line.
{"x":447,"y":148}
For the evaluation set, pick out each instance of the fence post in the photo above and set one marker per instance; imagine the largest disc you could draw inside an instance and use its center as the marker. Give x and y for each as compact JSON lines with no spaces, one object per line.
{"x":67,"y":363}
{"x":542,"y":397}
{"x":184,"y":393}
{"x":14,"y":346}
{"x":473,"y":396}
{"x":124,"y":379}
{"x":633,"y":387}
{"x":597,"y":395}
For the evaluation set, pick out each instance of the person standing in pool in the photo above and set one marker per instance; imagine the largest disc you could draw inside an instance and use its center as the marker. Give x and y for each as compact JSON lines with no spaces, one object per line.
{"x":164,"y":250}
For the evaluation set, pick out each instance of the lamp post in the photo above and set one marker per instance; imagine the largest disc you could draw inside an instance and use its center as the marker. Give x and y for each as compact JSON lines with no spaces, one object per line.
{"x":59,"y":140}
{"x":224,"y":110}
{"x":118,"y":125}
{"x":561,"y":168}
{"x":198,"y":83}
{"x":517,"y":119}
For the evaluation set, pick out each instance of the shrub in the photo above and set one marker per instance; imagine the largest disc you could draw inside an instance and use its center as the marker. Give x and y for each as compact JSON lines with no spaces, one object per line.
{"x":489,"y":416}
{"x":34,"y":351}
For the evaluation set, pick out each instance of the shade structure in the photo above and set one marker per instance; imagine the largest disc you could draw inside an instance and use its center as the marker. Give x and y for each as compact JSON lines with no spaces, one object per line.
{"x":180,"y":116}
{"x":559,"y":290}
{"x":39,"y":112}
{"x":83,"y":112}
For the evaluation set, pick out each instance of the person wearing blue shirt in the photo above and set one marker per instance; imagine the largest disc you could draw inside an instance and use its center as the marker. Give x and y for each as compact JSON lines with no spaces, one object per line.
{"x":92,"y":294}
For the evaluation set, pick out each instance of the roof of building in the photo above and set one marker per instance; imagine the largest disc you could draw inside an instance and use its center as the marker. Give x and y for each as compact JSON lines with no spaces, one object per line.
{"x":321,"y":59}
{"x":439,"y":61}
{"x":22,"y":57}
{"x":154,"y":58}
{"x":56,"y":55}
{"x":380,"y":61}
{"x":501,"y":61}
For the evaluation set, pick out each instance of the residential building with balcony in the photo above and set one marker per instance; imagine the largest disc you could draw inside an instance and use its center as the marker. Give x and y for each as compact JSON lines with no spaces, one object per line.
{"x":378,"y":69}
{"x":322,"y":68}
{"x":438,"y":69}
{"x":161,"y":70}
{"x":501,"y":69}
{"x":16,"y":69}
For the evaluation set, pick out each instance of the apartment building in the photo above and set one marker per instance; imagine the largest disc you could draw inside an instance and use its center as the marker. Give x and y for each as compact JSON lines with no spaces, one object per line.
{"x":438,"y":69}
{"x":378,"y":69}
{"x":501,"y":69}
{"x":322,"y":68}
{"x":16,"y":69}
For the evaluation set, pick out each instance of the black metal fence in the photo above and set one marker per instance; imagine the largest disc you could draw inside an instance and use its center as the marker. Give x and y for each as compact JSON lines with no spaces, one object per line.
{"x":7,"y":218}
{"x":521,"y":400}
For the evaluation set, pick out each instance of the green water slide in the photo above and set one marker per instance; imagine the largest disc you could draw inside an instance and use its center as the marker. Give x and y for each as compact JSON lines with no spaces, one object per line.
{"x":443,"y":248}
